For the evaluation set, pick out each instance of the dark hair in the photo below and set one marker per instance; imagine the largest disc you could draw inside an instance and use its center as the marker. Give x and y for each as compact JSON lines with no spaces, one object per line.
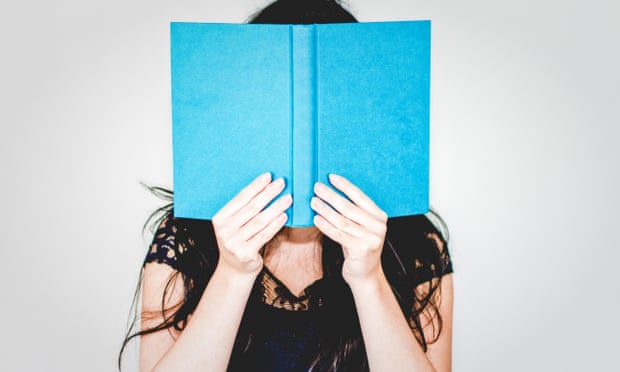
{"x":303,"y":12}
{"x":414,"y":257}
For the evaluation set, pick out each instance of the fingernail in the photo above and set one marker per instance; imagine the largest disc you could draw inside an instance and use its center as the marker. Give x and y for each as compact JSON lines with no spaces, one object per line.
{"x":313,"y":201}
{"x":265,"y":176}
{"x":334,"y":178}
{"x":318,"y":187}
{"x":279,"y":182}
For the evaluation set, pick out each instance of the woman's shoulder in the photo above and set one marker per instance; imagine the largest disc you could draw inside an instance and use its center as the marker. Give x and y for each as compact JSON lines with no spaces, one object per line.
{"x":174,"y":239}
{"x":164,"y":246}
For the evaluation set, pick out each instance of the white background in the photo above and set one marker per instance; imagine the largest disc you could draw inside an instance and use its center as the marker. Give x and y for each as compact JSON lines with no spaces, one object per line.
{"x":525,"y":98}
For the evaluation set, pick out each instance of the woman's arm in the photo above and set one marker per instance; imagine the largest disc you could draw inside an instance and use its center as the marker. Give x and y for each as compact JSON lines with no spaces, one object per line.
{"x":241,"y":227}
{"x":390,"y":343}
{"x":440,"y":351}
{"x":360,"y":227}
{"x":206,"y":342}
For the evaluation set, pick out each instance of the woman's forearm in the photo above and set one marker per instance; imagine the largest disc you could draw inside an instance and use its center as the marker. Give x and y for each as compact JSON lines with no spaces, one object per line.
{"x":242,"y":226}
{"x":390,"y":343}
{"x":207,"y":341}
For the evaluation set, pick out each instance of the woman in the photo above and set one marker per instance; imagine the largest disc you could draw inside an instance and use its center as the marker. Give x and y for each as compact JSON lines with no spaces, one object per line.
{"x":242,"y":292}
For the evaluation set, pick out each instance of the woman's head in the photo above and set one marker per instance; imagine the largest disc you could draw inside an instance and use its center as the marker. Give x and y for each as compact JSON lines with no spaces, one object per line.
{"x":303,"y":12}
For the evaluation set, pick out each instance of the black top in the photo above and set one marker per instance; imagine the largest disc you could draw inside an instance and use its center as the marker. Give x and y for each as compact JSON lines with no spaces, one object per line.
{"x":288,"y":335}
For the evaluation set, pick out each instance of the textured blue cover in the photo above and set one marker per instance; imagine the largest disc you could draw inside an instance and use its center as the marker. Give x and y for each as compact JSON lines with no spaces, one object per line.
{"x":301,"y":101}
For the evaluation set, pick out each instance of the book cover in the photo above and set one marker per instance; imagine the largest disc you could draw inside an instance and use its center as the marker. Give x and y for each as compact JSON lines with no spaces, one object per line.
{"x":300,"y":101}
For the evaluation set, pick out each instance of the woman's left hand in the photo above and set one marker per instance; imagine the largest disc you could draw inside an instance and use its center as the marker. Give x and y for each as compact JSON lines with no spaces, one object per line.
{"x":358,"y":224}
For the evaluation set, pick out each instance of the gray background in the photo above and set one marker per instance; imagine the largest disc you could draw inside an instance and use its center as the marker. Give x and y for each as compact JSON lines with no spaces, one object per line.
{"x":524,"y":169}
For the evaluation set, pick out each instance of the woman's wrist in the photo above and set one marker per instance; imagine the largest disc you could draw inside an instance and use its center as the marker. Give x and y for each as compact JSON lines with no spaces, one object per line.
{"x":234,"y":278}
{"x":373,"y":283}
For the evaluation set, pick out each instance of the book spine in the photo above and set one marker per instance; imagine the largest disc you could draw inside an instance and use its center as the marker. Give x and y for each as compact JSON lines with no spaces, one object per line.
{"x":303,"y":147}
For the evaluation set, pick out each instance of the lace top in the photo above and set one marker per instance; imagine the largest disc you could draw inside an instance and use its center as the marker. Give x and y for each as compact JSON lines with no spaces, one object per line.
{"x":289,"y":336}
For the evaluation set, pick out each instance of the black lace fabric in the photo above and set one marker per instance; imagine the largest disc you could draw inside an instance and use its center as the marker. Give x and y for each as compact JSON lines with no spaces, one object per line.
{"x":276,"y":294}
{"x":165,"y":249}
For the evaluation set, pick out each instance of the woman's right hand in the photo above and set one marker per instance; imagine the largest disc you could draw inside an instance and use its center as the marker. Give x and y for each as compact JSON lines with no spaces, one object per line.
{"x":243,"y":226}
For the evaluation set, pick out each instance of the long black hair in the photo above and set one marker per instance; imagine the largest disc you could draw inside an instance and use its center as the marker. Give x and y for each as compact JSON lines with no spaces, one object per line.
{"x":414,"y":257}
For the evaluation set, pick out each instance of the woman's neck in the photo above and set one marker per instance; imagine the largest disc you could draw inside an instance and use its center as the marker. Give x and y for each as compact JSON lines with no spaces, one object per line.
{"x":294,"y":256}
{"x":300,"y":235}
{"x":297,"y":245}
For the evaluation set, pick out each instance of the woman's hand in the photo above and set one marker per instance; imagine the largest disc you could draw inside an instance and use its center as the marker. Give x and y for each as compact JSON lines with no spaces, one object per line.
{"x":244,"y":225}
{"x":359,"y":225}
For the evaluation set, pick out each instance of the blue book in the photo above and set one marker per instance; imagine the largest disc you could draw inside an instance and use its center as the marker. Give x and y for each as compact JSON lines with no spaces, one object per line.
{"x":300,"y":101}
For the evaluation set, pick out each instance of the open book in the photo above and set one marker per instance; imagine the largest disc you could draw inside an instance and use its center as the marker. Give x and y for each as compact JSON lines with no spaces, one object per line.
{"x":300,"y":101}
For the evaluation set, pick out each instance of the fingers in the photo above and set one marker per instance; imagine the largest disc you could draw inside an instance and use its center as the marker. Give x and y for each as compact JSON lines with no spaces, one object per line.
{"x":246,"y":223}
{"x":329,"y":214}
{"x":262,"y":220}
{"x":357,"y":196}
{"x":245,"y":215}
{"x":354,"y":222}
{"x":255,"y":196}
{"x":245,"y":195}
{"x":333,"y":232}
{"x":264,"y":235}
{"x":257,"y":203}
{"x":346,"y":208}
